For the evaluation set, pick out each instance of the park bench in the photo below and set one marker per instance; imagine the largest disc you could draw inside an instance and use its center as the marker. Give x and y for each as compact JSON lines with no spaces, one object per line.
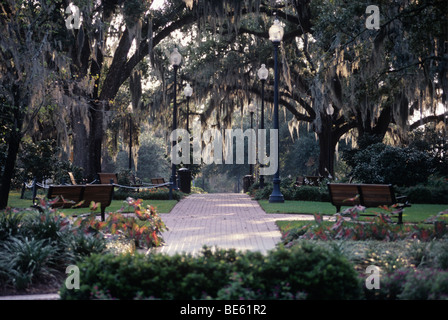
{"x":69,"y":196}
{"x":158,"y":182}
{"x":367,"y":195}
{"x":108,"y":178}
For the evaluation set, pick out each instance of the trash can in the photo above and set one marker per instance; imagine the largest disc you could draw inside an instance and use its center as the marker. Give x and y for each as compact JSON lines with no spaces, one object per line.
{"x":184,"y":180}
{"x":247,"y":182}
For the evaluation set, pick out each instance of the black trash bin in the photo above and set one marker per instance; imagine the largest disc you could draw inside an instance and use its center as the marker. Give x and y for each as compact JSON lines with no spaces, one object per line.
{"x":247,"y":182}
{"x":184,"y":180}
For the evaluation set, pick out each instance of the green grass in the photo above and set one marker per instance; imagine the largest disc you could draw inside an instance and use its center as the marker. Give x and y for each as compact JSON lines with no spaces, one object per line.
{"x":415,"y":213}
{"x":162,"y":206}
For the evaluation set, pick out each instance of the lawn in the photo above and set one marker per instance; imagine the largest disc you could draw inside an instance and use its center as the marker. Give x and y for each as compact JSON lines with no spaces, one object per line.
{"x":162,"y":206}
{"x":415,"y":213}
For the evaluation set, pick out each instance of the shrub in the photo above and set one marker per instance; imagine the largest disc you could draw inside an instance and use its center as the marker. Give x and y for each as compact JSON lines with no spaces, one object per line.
{"x":308,"y":193}
{"x":265,"y":193}
{"x":83,"y":244}
{"x":380,"y":163}
{"x":412,"y":284}
{"x":10,"y":221}
{"x":305,"y":271}
{"x":24,"y":259}
{"x":426,"y":284}
{"x":432,"y":192}
{"x":47,"y":225}
{"x":429,"y":254}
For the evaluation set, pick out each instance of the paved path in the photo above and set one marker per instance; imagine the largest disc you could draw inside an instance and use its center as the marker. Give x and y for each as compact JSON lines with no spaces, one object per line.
{"x":227,"y":220}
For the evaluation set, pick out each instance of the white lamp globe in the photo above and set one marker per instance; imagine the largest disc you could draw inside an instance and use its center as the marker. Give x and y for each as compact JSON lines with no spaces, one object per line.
{"x":188,"y":91}
{"x":175,"y":57}
{"x":276,"y":32}
{"x":263,"y":72}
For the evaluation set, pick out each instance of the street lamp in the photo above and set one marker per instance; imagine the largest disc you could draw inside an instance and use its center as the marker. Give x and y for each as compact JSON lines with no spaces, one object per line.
{"x":175,"y":60}
{"x":276,"y":35}
{"x":188,"y":91}
{"x":263,"y":74}
{"x":130,"y":137}
{"x":330,"y":110}
{"x":252,"y":108}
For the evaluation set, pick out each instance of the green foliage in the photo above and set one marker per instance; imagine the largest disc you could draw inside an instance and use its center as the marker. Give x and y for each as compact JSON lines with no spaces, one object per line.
{"x":25,"y":259}
{"x":412,"y":284}
{"x":10,"y":221}
{"x":38,"y":160}
{"x":380,"y":163}
{"x":47,"y":226}
{"x":36,"y":245}
{"x":435,"y":191}
{"x":82,"y":244}
{"x":304,"y":271}
{"x":432,"y":140}
{"x":309,"y":193}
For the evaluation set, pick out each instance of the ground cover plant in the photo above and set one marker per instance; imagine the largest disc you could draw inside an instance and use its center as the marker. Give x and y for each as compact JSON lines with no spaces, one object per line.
{"x":413,"y":258}
{"x":37,"y":246}
{"x":349,"y":226}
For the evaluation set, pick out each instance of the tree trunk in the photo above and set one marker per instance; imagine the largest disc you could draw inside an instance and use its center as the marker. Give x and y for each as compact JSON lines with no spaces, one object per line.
{"x":95,"y":141}
{"x":327,"y":145}
{"x":80,"y":129}
{"x":13,"y":149}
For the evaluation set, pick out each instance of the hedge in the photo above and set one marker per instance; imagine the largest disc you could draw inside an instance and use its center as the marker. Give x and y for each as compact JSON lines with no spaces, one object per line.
{"x":306,"y":271}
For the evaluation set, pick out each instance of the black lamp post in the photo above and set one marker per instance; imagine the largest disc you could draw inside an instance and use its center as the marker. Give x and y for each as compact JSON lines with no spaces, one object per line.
{"x":188,"y":91}
{"x":175,"y":59}
{"x":130,"y":138}
{"x":263,"y":74}
{"x":252,"y":109}
{"x":276,"y":35}
{"x":330,"y":111}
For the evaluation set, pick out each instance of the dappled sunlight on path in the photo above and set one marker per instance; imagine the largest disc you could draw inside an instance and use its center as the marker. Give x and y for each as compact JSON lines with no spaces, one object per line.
{"x":224,"y":220}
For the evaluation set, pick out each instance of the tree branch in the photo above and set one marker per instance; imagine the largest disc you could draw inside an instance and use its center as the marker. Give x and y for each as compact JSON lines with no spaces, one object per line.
{"x":429,"y":119}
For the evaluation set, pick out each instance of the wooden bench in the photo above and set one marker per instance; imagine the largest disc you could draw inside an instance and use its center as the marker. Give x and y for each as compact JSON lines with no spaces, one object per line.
{"x":158,"y":182}
{"x":367,"y":195}
{"x":70,"y":196}
{"x":108,"y":178}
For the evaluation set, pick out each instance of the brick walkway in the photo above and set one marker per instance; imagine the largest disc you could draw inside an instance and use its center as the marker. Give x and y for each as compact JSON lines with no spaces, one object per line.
{"x":228,"y":220}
